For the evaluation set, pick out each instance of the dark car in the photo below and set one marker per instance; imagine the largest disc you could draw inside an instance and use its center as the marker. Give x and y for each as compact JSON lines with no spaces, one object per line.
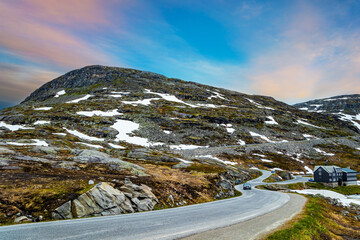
{"x":247,"y":186}
{"x":311,"y":180}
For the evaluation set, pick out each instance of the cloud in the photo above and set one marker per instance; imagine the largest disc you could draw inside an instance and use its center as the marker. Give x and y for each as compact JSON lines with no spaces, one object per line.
{"x":17,"y":82}
{"x":310,"y":60}
{"x":65,"y":12}
{"x":30,"y":36}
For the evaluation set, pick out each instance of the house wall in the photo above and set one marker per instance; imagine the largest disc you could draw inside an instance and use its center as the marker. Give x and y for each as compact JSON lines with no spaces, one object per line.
{"x":321,"y":176}
{"x":349,"y":176}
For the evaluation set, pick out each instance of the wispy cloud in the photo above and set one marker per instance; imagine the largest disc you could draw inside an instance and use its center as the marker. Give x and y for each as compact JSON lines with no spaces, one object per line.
{"x":18,"y":81}
{"x":310,"y":60}
{"x":31,"y":37}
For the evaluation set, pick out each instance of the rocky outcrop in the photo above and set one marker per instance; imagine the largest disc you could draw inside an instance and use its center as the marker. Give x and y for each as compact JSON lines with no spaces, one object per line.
{"x":104,"y":200}
{"x":226,"y":186}
{"x":93,"y":156}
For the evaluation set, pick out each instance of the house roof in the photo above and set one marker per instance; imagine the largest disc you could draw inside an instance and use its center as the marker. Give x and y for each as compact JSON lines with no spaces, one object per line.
{"x":349,"y":170}
{"x":329,"y":169}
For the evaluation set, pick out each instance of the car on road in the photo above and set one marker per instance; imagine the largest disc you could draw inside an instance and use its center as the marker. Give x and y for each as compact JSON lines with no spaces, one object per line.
{"x":311,"y":180}
{"x":247,"y":186}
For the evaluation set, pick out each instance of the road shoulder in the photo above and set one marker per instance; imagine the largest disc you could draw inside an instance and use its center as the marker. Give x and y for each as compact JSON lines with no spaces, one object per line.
{"x":258,"y":227}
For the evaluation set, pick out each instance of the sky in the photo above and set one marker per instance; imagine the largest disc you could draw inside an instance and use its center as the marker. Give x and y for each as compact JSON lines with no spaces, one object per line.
{"x":292,"y":50}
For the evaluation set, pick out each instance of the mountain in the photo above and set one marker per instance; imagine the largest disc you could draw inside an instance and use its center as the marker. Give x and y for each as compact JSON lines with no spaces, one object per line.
{"x":187,"y":141}
{"x":346,"y":107}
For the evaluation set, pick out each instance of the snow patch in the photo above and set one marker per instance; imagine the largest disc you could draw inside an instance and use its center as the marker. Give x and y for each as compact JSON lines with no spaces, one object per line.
{"x":258,"y":104}
{"x":350,"y":118}
{"x":13,"y":127}
{"x":217,"y":159}
{"x":80,"y":99}
{"x":260,"y":155}
{"x":184,"y":161}
{"x":308,"y":136}
{"x":184,"y":147}
{"x":327,"y":193}
{"x":308,"y":170}
{"x":145,"y":102}
{"x":91,"y":145}
{"x":216,"y":95}
{"x":41,"y":122}
{"x":323,"y":152}
{"x":125,"y":127}
{"x":271,"y":121}
{"x":60,"y":134}
{"x":83,"y":136}
{"x":58,"y":94}
{"x":109,"y":113}
{"x":241,"y":142}
{"x":253,"y":134}
{"x":266,"y":160}
{"x":37,"y":142}
{"x":306,"y":123}
{"x":43,"y":108}
{"x":116,"y":146}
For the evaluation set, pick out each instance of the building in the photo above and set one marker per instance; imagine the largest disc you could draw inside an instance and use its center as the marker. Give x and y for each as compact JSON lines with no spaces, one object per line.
{"x":349,"y":177}
{"x":329,"y":175}
{"x":334,"y":176}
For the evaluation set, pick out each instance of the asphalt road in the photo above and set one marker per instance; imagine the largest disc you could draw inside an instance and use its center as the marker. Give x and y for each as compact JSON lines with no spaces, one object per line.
{"x":256,"y":228}
{"x":163,"y":224}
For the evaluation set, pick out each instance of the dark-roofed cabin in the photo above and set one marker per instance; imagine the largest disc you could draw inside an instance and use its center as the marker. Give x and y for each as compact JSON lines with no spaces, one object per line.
{"x":349,"y":176}
{"x":329,"y":175}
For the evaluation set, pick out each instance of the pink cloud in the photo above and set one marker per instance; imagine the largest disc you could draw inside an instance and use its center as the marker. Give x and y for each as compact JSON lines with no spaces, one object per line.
{"x":66,"y":12}
{"x":32,"y":38}
{"x":309,"y":61}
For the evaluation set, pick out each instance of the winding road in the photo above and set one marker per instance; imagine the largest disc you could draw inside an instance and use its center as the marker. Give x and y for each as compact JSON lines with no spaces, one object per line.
{"x":163,"y":224}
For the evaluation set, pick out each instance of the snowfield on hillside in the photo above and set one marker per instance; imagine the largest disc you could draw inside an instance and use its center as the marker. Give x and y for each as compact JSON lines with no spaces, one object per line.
{"x":125,"y":128}
{"x":326,"y":193}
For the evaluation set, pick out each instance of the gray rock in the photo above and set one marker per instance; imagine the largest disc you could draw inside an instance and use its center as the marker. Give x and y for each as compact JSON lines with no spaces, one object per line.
{"x":4,"y":162}
{"x":63,"y":212}
{"x":22,"y":219}
{"x":181,"y":165}
{"x":46,"y":150}
{"x":66,"y":165}
{"x":4,"y":150}
{"x":143,"y":205}
{"x":104,"y":200}
{"x":93,"y":156}
{"x":35,"y":159}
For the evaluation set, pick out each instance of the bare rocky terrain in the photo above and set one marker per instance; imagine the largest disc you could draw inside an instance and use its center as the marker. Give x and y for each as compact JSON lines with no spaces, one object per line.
{"x":185,"y":141}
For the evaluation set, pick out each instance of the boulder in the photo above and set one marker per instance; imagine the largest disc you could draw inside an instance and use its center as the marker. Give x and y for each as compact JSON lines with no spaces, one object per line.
{"x":104,"y":200}
{"x":22,"y":219}
{"x":285,"y":175}
{"x":63,"y":212}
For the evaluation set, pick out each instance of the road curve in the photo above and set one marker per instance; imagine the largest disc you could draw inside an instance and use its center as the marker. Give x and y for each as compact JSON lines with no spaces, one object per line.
{"x":163,"y":224}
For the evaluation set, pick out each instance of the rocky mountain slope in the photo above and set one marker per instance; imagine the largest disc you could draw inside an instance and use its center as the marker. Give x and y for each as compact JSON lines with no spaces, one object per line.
{"x":187,"y":141}
{"x":345,"y":107}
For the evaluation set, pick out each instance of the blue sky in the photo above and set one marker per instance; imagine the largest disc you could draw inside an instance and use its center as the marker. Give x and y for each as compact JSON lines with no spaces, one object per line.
{"x":290,"y":50}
